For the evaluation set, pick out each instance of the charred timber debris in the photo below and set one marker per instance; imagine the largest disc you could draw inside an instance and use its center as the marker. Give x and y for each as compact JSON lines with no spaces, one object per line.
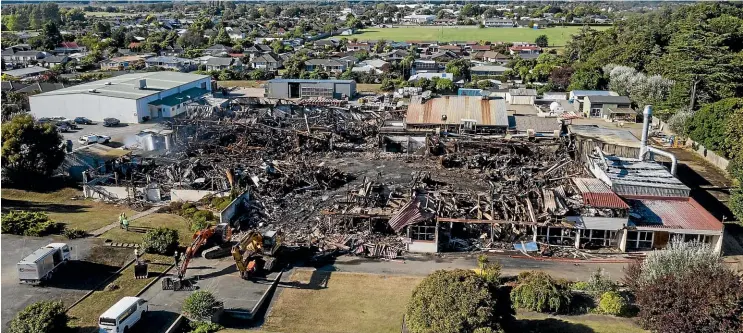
{"x":284,"y":154}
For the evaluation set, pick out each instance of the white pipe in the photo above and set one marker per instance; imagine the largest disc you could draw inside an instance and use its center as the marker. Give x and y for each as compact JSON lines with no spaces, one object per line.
{"x":645,"y":149}
{"x":674,"y":161}
{"x":647,"y":113}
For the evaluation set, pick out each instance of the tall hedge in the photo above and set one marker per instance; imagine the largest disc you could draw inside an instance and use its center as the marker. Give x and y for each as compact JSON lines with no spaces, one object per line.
{"x":451,"y":302}
{"x":40,"y":317}
{"x":160,"y":241}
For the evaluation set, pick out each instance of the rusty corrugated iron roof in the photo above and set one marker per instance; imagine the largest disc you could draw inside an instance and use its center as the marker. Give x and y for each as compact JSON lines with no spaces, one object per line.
{"x":596,"y":194}
{"x":673,"y":213}
{"x":454,"y":109}
{"x":408,"y":214}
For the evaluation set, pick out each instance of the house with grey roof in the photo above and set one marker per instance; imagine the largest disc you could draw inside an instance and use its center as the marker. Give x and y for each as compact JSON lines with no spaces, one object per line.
{"x":171,"y":63}
{"x":327,"y":65}
{"x":220,"y":63}
{"x":52,"y":61}
{"x":14,"y":57}
{"x":268,"y":61}
{"x":608,"y":107}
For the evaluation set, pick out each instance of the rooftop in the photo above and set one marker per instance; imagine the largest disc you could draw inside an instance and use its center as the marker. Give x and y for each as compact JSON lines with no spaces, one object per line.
{"x":631,"y":176}
{"x":609,"y":99}
{"x":607,"y":135}
{"x":455,"y":109}
{"x":308,"y":81}
{"x":26,"y":71}
{"x":532,"y":122}
{"x":101,"y":152}
{"x":672,"y":213}
{"x":127,"y":85}
{"x":186,"y":95}
{"x":596,"y":194}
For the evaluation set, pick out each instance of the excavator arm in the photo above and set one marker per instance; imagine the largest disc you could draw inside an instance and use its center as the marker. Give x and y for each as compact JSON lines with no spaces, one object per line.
{"x":248,"y":246}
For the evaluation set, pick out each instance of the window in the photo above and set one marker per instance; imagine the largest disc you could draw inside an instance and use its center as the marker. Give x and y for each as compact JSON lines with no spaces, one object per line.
{"x":639,"y":239}
{"x":599,"y":237}
{"x":107,"y":321}
{"x":128,"y":312}
{"x":707,"y":239}
{"x":595,"y":112}
{"x":423,"y":232}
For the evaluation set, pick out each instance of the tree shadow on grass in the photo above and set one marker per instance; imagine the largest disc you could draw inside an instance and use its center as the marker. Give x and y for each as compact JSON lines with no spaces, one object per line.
{"x":548,"y":325}
{"x":81,"y":275}
{"x":12,"y":204}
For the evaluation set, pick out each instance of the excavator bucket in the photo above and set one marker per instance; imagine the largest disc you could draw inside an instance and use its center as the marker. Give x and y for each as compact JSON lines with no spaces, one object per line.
{"x":141,"y":270}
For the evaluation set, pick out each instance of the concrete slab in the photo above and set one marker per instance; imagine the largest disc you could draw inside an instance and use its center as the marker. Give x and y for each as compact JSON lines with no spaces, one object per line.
{"x":220,"y":277}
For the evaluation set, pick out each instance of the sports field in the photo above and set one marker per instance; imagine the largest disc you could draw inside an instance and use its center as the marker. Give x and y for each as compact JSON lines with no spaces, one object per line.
{"x":557,"y":36}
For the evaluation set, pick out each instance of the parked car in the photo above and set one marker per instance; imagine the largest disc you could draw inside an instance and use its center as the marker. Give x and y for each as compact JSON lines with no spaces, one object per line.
{"x":110,"y":122}
{"x":71,"y":123}
{"x":93,"y":138}
{"x":63,"y":126}
{"x":83,"y":121}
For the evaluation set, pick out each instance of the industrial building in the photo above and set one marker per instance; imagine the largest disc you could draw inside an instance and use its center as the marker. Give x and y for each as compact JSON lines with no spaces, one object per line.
{"x":458,"y":114}
{"x":131,"y":98}
{"x":303,"y":88}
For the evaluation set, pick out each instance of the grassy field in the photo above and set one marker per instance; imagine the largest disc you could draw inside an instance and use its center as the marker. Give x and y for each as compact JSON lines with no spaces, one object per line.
{"x":557,"y":35}
{"x":365,"y":302}
{"x":84,"y":315}
{"x":64,"y":206}
{"x":369,"y":87}
{"x":107,"y":14}
{"x":376,"y":303}
{"x":138,"y":227}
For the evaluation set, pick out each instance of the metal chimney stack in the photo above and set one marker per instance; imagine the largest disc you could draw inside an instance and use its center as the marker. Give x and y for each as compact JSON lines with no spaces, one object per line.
{"x":647,"y":113}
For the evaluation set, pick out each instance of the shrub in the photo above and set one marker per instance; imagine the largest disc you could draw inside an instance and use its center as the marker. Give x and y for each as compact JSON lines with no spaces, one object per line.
{"x":160,"y":240}
{"x":200,"y":305}
{"x":599,"y":284}
{"x":580,"y":285}
{"x":677,"y":258}
{"x":451,"y":301}
{"x":201,"y":219}
{"x":537,"y":291}
{"x":40,"y":317}
{"x":612,"y":303}
{"x":703,"y":299}
{"x":28,"y":224}
{"x":75,"y":233}
{"x":204,"y":327}
{"x":489,"y":271}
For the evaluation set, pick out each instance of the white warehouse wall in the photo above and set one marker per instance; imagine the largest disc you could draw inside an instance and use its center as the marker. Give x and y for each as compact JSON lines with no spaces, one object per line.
{"x":91,"y":106}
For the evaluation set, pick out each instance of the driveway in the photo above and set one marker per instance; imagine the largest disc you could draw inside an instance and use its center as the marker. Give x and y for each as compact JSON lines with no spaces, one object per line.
{"x":69,"y":283}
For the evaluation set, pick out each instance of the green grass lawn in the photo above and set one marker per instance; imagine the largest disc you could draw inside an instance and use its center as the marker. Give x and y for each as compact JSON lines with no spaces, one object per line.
{"x":84,"y":315}
{"x":538,"y":322}
{"x":140,"y":225}
{"x":241,"y":83}
{"x":64,"y":206}
{"x":107,"y":14}
{"x":557,"y":36}
{"x":371,"y":87}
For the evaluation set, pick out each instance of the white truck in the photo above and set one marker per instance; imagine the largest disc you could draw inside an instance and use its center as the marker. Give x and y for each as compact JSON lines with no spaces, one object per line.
{"x":93,"y":138}
{"x":40,"y":264}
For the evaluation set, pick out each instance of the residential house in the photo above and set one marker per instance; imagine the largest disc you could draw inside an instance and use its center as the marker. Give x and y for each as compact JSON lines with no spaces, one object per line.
{"x":376,"y":66}
{"x":69,"y":47}
{"x":26,"y":72}
{"x":358,"y":47}
{"x":442,"y":57}
{"x":347,"y":60}
{"x":419,"y":19}
{"x":429,"y":76}
{"x":456,"y":49}
{"x":478,"y":47}
{"x":21,"y":58}
{"x":577,"y":97}
{"x":608,"y":107}
{"x":220,"y":63}
{"x":235,"y":33}
{"x":40,"y":87}
{"x":269,"y":61}
{"x":521,"y":96}
{"x":324,"y":44}
{"x":496,"y":57}
{"x":488,"y":71}
{"x":327,"y":65}
{"x":421,"y":65}
{"x":394,"y":55}
{"x":346,"y":32}
{"x":172,"y":51}
{"x":525,"y":51}
{"x":172,"y":63}
{"x":217,"y":50}
{"x":52,"y":61}
{"x":495,"y":22}
{"x":123,"y":63}
{"x":125,"y":51}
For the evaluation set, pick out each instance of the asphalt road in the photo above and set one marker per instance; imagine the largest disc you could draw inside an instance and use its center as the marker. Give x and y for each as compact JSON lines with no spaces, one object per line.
{"x":68,"y":284}
{"x":124,"y":134}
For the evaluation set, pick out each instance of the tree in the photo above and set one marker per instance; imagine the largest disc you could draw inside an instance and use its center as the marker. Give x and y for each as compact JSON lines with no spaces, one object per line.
{"x":585,"y":79}
{"x":222,"y":38}
{"x":460,"y":68}
{"x":542,"y":41}
{"x":51,"y":36}
{"x":30,"y":151}
{"x":387,"y":84}
{"x":445,"y":85}
{"x":709,"y":125}
{"x":451,"y":301}
{"x":40,"y":317}
{"x":200,"y":305}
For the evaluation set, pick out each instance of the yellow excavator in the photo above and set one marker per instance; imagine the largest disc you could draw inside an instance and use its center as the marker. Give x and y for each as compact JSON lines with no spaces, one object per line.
{"x":256,"y":251}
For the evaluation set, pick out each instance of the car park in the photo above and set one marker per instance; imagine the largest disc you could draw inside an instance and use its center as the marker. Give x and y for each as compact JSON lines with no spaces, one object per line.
{"x":93,"y":138}
{"x":110,"y":122}
{"x":63,"y":126}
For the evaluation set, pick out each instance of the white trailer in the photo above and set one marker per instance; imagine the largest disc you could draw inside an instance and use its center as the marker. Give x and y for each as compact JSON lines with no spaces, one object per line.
{"x":40,"y":264}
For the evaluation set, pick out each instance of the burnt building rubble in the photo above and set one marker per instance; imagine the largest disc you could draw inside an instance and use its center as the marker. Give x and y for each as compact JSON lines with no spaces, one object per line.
{"x":459,"y":187}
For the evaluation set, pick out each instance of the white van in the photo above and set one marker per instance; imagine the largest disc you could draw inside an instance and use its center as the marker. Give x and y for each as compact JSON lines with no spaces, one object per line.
{"x":122,"y":316}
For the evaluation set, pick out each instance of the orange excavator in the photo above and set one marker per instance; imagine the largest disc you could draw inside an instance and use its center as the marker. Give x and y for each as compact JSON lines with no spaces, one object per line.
{"x":219,"y":236}
{"x":256,"y":251}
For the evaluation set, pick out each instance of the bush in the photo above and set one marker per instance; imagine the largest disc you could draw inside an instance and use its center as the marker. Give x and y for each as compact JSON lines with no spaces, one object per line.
{"x":28,"y":224}
{"x":580,"y":285}
{"x":489,"y":271}
{"x":200,"y":305}
{"x":537,"y":291}
{"x":599,"y":284}
{"x":612,"y":303}
{"x":204,"y":327}
{"x":75,"y":233}
{"x":201,"y":219}
{"x":40,"y":317}
{"x":677,"y":258}
{"x":160,"y":241}
{"x":451,"y":301}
